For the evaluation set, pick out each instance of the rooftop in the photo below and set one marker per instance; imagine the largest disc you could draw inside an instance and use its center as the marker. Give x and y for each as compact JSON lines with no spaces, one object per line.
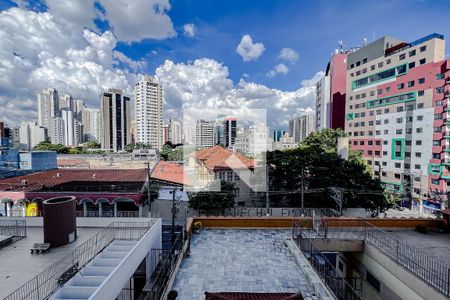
{"x":52,"y":179}
{"x":18,"y":265}
{"x":244,"y":260}
{"x":217,"y":157}
{"x":170,"y":172}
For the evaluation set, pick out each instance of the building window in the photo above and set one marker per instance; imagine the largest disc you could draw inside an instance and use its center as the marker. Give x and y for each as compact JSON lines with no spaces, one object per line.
{"x":398,"y":165}
{"x":400,"y":86}
{"x":412,"y":64}
{"x":418,"y":154}
{"x":386,"y":121}
{"x":423,"y":48}
{"x":388,"y":61}
{"x":402,"y":56}
{"x":437,"y":129}
{"x":385,"y":142}
{"x":418,"y":143}
{"x":385,"y":153}
{"x":436,"y":116}
{"x":417,"y":167}
{"x":437,"y":103}
{"x":380,"y":64}
{"x":412,"y":53}
{"x":436,"y":143}
{"x":422,"y":61}
{"x":411,"y":83}
{"x":410,"y":107}
{"x":372,"y":67}
{"x":421,"y":93}
{"x":421,"y":80}
{"x":409,"y":119}
{"x":408,"y":130}
{"x":399,"y":108}
{"x":397,"y":176}
{"x":399,"y":120}
{"x":439,"y":90}
{"x":440,"y":76}
{"x":386,"y":131}
{"x":420,"y":118}
{"x":399,"y":131}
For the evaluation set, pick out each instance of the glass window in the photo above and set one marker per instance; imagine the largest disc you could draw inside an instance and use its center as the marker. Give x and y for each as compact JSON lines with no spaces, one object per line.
{"x":400,"y":86}
{"x":437,"y":103}
{"x":419,"y":118}
{"x":388,"y":61}
{"x":422,"y":61}
{"x":440,"y":76}
{"x":419,"y":130}
{"x":412,"y":53}
{"x":421,"y":80}
{"x":439,"y":90}
{"x":399,"y":131}
{"x":423,"y":48}
{"x":358,"y":63}
{"x":412,"y":65}
{"x":399,"y":120}
{"x":402,"y":56}
{"x":417,"y":167}
{"x":372,"y":67}
{"x":436,"y":116}
{"x":386,"y":121}
{"x":418,"y":154}
{"x":398,"y":165}
{"x":418,"y":143}
{"x":421,"y":93}
{"x":400,"y":109}
{"x":411,"y":83}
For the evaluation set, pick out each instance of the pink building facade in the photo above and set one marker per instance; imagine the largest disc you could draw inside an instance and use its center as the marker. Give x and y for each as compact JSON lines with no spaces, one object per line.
{"x":397,"y":114}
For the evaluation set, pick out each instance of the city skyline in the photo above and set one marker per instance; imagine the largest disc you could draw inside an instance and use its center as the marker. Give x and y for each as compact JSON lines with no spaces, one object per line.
{"x":89,"y":55}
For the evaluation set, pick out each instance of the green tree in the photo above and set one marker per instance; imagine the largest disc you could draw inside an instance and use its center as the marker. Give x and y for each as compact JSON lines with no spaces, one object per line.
{"x":92,"y":145}
{"x":212,"y":201}
{"x":137,"y":146}
{"x":323,"y":168}
{"x":47,"y":146}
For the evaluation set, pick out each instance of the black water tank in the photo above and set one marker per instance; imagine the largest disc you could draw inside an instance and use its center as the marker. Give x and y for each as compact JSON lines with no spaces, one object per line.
{"x":60,"y":222}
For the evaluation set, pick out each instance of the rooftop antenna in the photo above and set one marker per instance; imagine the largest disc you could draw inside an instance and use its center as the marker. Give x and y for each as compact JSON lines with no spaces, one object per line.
{"x":341,"y":46}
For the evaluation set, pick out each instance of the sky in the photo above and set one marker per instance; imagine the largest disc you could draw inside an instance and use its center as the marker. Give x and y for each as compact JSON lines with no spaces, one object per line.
{"x":211,"y":54}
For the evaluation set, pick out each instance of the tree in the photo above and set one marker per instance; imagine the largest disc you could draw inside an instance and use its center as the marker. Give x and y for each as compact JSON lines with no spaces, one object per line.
{"x":137,"y":146}
{"x":92,"y":145}
{"x":214,"y":201}
{"x":47,"y":146}
{"x":323,"y":168}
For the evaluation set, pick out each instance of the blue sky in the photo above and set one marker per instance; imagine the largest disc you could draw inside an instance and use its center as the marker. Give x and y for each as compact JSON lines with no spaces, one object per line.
{"x":310,"y":28}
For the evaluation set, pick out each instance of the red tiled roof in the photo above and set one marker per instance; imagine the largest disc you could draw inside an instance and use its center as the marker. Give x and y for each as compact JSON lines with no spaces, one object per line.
{"x":217,"y":157}
{"x":170,"y":172}
{"x":252,"y":296}
{"x":36,"y":181}
{"x":70,"y":162}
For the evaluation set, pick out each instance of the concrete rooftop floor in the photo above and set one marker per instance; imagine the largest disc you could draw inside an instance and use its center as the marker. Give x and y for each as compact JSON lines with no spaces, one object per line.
{"x":240,"y":260}
{"x":18,"y":265}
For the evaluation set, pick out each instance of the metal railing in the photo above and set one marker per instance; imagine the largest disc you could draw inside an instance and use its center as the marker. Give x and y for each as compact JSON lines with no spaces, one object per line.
{"x":108,"y":214}
{"x":46,"y":283}
{"x":16,"y":229}
{"x":167,"y":261}
{"x":417,"y":261}
{"x":343,"y":288}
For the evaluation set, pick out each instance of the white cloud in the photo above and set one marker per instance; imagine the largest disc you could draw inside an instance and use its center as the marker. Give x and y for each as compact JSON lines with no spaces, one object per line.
{"x":37,"y":51}
{"x":288,"y":54}
{"x":189,"y":30}
{"x":134,"y":21}
{"x":205,"y":83}
{"x":249,"y":50}
{"x":278,"y":69}
{"x":74,"y":14}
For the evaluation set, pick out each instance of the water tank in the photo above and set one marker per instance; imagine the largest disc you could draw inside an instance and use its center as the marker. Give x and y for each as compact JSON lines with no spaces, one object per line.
{"x":60,"y":222}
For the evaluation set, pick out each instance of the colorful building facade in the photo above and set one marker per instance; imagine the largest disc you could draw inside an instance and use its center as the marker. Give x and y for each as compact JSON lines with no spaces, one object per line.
{"x":397,"y":97}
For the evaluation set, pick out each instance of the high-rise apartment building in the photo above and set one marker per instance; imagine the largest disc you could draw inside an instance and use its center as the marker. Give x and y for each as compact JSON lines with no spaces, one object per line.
{"x":31,"y":134}
{"x":78,"y":107}
{"x":148,"y":97}
{"x":330,"y":93}
{"x":301,"y":127}
{"x":2,"y":129}
{"x":91,"y":124}
{"x":48,"y":106}
{"x":115,"y":120}
{"x":229,"y":132}
{"x":56,"y":131}
{"x":66,"y":101}
{"x":204,"y":134}
{"x":174,"y":132}
{"x":396,"y":112}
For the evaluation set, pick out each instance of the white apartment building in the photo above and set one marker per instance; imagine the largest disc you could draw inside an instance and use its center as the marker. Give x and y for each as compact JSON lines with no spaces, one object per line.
{"x":323,"y":105}
{"x":91,"y":124}
{"x":148,"y":101}
{"x":301,"y":127}
{"x":175,"y":132}
{"x":30,"y":134}
{"x":66,"y":101}
{"x":252,"y":140}
{"x":204,"y":134}
{"x":48,"y":106}
{"x":78,"y":107}
{"x":115,"y":120}
{"x":56,"y":131}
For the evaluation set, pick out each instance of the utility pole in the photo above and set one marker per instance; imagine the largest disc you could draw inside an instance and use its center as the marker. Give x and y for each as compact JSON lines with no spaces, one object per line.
{"x":267,"y":190}
{"x":303,"y":191}
{"x":148,"y":189}
{"x":174,"y":215}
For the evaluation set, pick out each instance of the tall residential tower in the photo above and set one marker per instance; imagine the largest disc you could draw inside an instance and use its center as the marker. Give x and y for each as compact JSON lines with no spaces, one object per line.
{"x":148,"y":102}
